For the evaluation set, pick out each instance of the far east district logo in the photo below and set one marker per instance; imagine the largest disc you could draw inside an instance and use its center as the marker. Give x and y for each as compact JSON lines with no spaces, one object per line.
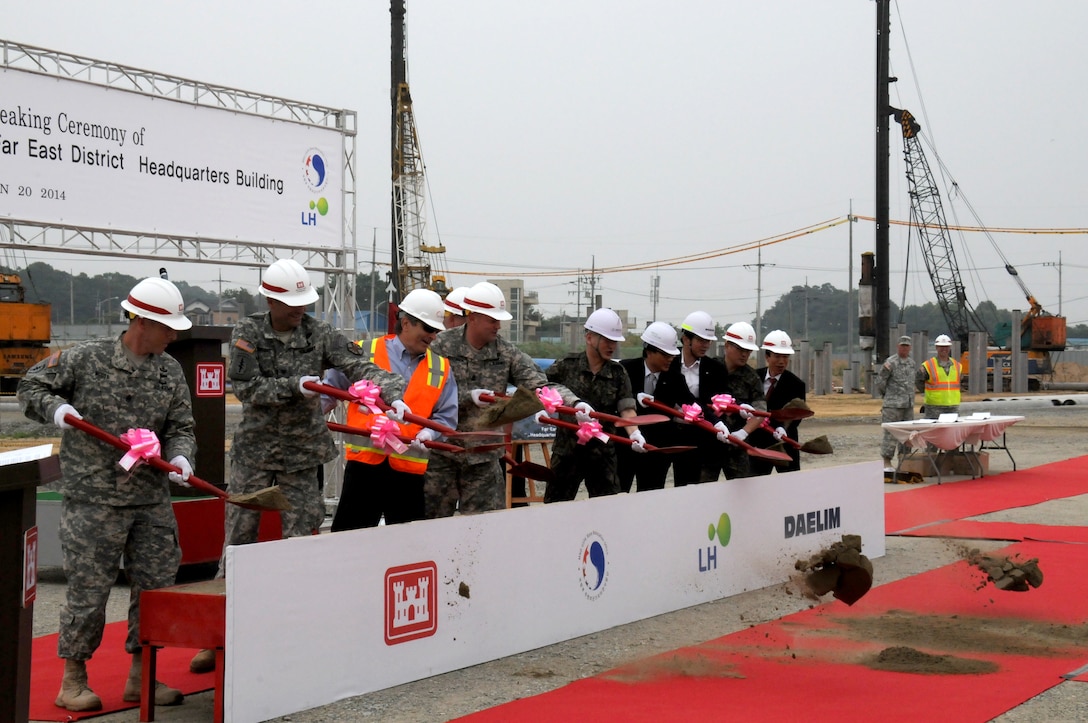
{"x":593,"y":565}
{"x":315,"y":170}
{"x":209,"y":379}
{"x":411,"y":602}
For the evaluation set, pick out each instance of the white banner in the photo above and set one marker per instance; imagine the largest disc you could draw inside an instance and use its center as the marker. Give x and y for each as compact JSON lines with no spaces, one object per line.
{"x":316,"y":619}
{"x":80,"y":154}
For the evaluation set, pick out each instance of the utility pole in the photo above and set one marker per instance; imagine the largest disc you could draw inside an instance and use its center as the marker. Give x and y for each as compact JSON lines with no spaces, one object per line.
{"x":373,"y":280}
{"x":655,"y":293}
{"x":1059,"y":265}
{"x":851,"y":307}
{"x":883,"y":51}
{"x":759,"y":290}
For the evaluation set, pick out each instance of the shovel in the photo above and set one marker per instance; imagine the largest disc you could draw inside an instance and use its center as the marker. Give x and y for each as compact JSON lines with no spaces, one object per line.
{"x":602,"y":416}
{"x":622,"y":439}
{"x":361,"y":432}
{"x":817,"y":445}
{"x":270,"y":498}
{"x":770,"y":454}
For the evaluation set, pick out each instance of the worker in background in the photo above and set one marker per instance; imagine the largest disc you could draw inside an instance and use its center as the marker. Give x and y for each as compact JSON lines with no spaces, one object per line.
{"x":780,"y":386}
{"x":110,"y":514}
{"x":746,"y":387}
{"x":377,"y":480}
{"x":895,"y":383}
{"x":939,"y":378}
{"x":483,"y":362}
{"x":455,"y":311}
{"x":649,"y":373}
{"x":703,"y":378}
{"x":282,"y":438}
{"x":595,"y":377}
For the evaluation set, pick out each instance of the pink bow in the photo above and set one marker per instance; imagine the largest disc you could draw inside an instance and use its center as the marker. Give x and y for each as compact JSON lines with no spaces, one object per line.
{"x":550,"y":398}
{"x":590,"y":430}
{"x":143,"y":444}
{"x":367,"y":393}
{"x":722,"y":403}
{"x":384,"y":432}
{"x":692,"y":412}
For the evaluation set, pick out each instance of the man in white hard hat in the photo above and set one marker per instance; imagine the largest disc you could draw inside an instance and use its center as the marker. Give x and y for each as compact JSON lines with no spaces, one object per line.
{"x":939,"y":378}
{"x":704,"y":377}
{"x":649,"y":373}
{"x":108,"y":515}
{"x":598,"y":380}
{"x":483,"y":362}
{"x":380,"y":480}
{"x":454,"y":315}
{"x":780,"y":386}
{"x":745,"y":386}
{"x":895,"y":385}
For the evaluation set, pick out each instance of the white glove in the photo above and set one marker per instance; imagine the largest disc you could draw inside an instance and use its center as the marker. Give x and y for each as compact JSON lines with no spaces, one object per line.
{"x":542,"y":417}
{"x":746,"y":410}
{"x":308,"y":393}
{"x":779,"y":434}
{"x":58,"y":416}
{"x":643,"y":397}
{"x":181,"y":478}
{"x":397,"y":410}
{"x":582,"y":415}
{"x":740,"y":435}
{"x":425,"y":435}
{"x":638,"y":442}
{"x":476,"y":398}
{"x":723,"y":432}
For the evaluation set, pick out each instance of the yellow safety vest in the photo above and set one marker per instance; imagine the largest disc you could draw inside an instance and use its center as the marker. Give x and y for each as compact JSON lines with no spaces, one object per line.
{"x":942,"y":389}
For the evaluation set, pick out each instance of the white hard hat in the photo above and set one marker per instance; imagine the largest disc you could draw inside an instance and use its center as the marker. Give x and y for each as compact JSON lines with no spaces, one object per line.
{"x":286,"y":281}
{"x":743,"y":335}
{"x":455,"y":301}
{"x":779,"y":342}
{"x":942,"y":340}
{"x":607,"y":323}
{"x":487,"y":299}
{"x":661,"y":336}
{"x":426,"y":306}
{"x":700,"y":324}
{"x":159,"y":300}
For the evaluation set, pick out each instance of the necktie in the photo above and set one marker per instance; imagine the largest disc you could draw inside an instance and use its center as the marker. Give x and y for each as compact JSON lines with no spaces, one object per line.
{"x":650,"y":383}
{"x":770,"y":387}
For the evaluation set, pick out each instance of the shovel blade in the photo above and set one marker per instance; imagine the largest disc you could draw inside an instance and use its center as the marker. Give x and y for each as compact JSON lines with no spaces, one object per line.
{"x":269,"y":499}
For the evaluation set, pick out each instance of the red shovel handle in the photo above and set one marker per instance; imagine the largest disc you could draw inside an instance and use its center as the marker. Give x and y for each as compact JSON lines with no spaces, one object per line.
{"x":791,"y":442}
{"x":408,"y":416}
{"x":705,"y":424}
{"x":157,"y":462}
{"x":359,"y":431}
{"x":603,"y":416}
{"x":616,"y":437}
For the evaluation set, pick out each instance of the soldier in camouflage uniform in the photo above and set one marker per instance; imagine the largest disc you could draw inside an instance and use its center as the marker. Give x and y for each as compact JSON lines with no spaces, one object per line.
{"x":744,"y":385}
{"x":107,"y":512}
{"x":895,"y":383}
{"x":482,"y":361}
{"x":604,"y":385}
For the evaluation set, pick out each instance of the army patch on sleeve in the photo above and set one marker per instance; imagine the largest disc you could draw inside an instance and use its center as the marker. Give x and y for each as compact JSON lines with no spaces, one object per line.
{"x":244,"y":346}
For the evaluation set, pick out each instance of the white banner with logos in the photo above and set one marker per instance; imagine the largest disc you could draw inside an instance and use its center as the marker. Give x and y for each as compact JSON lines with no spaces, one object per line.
{"x":81,"y":154}
{"x":314,"y":620}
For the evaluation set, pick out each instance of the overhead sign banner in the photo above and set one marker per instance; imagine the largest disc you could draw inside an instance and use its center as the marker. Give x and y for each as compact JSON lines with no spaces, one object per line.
{"x":80,"y":154}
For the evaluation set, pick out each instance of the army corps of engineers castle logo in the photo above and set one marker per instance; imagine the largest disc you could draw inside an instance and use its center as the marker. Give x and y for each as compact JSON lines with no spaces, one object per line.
{"x":411,"y":602}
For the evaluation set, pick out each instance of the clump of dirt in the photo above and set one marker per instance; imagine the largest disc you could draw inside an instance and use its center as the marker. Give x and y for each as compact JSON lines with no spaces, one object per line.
{"x":840,"y":569}
{"x":672,"y":666}
{"x":463,"y":590}
{"x":902,"y":659}
{"x":1013,"y":574}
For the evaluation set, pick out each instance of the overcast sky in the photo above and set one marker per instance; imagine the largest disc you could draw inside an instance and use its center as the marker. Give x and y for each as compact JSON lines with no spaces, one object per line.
{"x":562,"y":134}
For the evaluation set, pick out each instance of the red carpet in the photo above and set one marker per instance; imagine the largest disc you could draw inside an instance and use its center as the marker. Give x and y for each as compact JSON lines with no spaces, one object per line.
{"x":957,"y":500}
{"x":107,"y":673}
{"x":973,"y":530}
{"x":812,"y":665}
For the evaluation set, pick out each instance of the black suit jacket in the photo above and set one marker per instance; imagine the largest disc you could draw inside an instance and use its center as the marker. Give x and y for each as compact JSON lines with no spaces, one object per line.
{"x":660,"y":435}
{"x":789,"y":387}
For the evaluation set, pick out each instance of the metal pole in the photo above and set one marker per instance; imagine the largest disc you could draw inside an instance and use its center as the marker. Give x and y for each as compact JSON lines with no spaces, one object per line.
{"x":883,"y":31}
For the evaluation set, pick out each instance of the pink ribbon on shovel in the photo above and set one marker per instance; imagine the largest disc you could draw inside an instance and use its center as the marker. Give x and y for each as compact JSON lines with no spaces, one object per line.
{"x":384,"y":432}
{"x":590,"y":430}
{"x":550,"y":398}
{"x":692,"y":412}
{"x":722,"y":403}
{"x":367,"y":393}
{"x":143,"y":444}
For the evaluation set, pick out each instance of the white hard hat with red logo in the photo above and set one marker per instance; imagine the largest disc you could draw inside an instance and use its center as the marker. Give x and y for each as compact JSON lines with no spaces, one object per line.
{"x":778,"y":342}
{"x":286,"y":281}
{"x":455,"y":301}
{"x":487,"y":299}
{"x":425,"y":305}
{"x":942,"y":340}
{"x":743,"y":335}
{"x":159,"y":300}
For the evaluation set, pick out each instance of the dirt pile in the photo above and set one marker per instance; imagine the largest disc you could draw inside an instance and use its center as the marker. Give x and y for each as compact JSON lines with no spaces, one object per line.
{"x":1007,"y":573}
{"x":840,"y":569}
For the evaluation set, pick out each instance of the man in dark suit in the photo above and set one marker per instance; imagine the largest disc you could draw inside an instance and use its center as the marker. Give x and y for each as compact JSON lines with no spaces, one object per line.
{"x":648,"y":374}
{"x":780,"y":385}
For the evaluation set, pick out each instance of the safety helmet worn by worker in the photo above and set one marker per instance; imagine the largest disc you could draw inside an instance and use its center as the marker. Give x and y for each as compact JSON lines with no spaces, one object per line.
{"x":743,"y":335}
{"x":661,"y":336}
{"x":159,"y":300}
{"x":487,"y":299}
{"x":778,"y":342}
{"x":286,"y":281}
{"x":607,"y":323}
{"x":942,"y":340}
{"x":455,"y":301}
{"x":426,"y":306}
{"x":700,"y":324}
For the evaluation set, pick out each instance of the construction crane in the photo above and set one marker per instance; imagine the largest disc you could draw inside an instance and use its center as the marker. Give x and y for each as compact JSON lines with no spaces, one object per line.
{"x":1040,"y":332}
{"x":416,"y":263}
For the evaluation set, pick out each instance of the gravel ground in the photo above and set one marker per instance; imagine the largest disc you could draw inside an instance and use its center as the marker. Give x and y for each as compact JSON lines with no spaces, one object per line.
{"x":1048,"y":434}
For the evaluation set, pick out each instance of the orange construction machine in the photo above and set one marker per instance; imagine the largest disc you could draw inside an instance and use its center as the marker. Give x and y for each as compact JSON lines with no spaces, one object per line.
{"x":24,"y":332}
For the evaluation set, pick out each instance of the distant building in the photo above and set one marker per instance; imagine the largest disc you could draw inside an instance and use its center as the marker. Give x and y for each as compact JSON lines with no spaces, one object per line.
{"x":518,"y":302}
{"x":227,"y":313}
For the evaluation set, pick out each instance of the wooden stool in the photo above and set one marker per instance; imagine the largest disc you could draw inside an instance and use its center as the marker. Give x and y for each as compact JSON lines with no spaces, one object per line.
{"x":520,"y":451}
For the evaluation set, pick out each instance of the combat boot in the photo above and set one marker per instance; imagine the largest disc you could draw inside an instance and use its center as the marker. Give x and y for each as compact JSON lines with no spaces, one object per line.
{"x":203,"y":662}
{"x":75,"y":695}
{"x":164,"y":694}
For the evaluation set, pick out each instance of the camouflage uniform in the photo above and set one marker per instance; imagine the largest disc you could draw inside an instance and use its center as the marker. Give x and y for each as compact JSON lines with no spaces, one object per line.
{"x":609,"y":390}
{"x":473,"y":481}
{"x":745,"y":386}
{"x":107,"y":512}
{"x":895,"y":382}
{"x":282,"y":438}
